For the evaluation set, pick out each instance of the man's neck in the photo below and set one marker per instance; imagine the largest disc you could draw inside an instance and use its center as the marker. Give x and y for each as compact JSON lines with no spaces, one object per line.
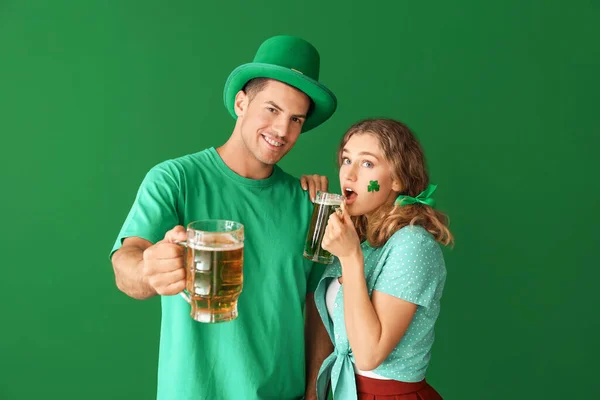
{"x":238,"y":158}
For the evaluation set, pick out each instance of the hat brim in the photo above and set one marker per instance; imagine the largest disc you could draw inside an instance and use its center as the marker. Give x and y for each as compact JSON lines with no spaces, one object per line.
{"x":324,"y":100}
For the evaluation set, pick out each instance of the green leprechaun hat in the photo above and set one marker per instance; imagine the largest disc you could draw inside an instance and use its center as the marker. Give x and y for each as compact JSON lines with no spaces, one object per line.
{"x":290,"y":60}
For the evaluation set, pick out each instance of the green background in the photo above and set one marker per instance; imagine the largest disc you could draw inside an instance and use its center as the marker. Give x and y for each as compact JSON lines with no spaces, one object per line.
{"x":504,"y":97}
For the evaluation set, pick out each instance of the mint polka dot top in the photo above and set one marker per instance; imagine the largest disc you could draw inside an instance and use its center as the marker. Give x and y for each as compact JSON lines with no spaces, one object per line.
{"x":410,"y":266}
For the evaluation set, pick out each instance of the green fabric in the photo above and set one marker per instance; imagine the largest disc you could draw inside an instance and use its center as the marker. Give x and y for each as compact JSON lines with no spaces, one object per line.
{"x":409,"y":266}
{"x":260,"y":355}
{"x":291,"y":60}
{"x":422,"y":198}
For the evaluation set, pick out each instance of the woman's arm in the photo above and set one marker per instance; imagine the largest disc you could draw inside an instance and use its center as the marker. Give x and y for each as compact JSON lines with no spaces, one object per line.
{"x":374,"y":325}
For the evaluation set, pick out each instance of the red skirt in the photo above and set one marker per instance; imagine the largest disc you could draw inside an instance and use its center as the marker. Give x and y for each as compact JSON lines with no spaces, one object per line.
{"x":380,"y":389}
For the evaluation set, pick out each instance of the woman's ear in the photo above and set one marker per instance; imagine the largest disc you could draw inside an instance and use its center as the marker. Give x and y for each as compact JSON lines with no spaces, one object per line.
{"x":396,"y":185}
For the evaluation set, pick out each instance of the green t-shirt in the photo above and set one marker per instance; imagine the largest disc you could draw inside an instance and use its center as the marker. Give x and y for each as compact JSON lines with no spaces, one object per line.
{"x":259,"y":355}
{"x":410,"y":266}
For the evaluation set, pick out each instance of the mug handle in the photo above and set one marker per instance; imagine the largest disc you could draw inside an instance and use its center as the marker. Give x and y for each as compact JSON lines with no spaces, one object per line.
{"x":184,"y":292}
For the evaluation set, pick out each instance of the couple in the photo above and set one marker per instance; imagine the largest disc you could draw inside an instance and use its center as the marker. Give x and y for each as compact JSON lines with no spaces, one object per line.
{"x":367,"y":331}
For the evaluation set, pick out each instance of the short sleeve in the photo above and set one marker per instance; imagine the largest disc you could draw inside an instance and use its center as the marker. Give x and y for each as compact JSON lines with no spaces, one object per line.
{"x":154,"y":210}
{"x":413,"y":267}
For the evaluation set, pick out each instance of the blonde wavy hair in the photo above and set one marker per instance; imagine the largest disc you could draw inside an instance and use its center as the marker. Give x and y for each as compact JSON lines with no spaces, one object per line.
{"x":403,"y":152}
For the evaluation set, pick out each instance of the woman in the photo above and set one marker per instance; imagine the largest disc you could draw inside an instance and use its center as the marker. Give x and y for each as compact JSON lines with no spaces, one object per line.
{"x":380,"y":299}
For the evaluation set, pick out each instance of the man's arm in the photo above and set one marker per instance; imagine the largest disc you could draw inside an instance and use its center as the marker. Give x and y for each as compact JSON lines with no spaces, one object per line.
{"x":318,"y":346}
{"x":128,"y":265}
{"x":143,"y":270}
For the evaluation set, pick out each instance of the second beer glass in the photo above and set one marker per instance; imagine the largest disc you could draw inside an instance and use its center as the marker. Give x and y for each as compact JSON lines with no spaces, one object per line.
{"x":325,"y":205}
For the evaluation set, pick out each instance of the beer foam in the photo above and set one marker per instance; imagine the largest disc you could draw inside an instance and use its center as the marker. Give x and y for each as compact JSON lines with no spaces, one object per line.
{"x":218,"y":242}
{"x":217,"y":246}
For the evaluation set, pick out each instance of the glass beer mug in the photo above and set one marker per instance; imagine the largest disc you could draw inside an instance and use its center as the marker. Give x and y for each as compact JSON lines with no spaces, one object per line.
{"x":325,"y":205}
{"x":214,"y":259}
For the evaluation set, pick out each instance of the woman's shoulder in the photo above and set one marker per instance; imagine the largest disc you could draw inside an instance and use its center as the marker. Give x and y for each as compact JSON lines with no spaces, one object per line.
{"x":413,"y":241}
{"x":411,"y":235}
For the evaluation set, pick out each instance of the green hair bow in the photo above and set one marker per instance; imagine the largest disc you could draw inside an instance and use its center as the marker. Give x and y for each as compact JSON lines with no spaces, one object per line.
{"x":423,"y":198}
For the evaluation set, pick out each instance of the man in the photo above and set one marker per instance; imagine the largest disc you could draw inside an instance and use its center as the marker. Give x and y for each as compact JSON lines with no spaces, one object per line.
{"x":260,"y":354}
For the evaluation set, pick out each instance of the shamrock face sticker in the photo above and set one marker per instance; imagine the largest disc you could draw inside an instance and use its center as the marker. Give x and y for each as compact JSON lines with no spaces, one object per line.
{"x":373,"y":186}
